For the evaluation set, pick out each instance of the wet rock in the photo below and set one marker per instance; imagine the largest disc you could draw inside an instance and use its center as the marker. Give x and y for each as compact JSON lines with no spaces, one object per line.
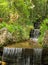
{"x":45,"y":56}
{"x":5,"y":36}
{"x":45,"y":40}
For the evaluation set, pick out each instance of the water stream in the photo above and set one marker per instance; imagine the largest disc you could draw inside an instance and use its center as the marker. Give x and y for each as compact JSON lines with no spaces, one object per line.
{"x":21,"y":56}
{"x":37,"y":56}
{"x":35,"y":34}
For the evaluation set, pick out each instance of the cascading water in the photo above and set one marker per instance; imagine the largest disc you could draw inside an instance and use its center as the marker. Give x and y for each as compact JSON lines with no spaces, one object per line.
{"x":11,"y":55}
{"x":19,"y":56}
{"x":36,"y":31}
{"x":37,"y":56}
{"x":36,"y":34}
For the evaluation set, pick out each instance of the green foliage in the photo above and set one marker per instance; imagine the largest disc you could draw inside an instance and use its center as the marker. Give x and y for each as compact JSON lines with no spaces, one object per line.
{"x":29,"y":11}
{"x":4,"y":10}
{"x":43,"y":29}
{"x":19,"y":32}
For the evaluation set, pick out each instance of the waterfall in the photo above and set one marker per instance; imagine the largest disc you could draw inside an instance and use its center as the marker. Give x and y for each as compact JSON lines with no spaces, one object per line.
{"x":21,"y":56}
{"x":34,"y":34}
{"x":11,"y":55}
{"x":17,"y":56}
{"x":37,"y":56}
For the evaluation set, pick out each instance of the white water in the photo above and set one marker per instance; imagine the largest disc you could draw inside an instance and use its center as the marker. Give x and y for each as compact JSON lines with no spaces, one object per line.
{"x":36,"y":35}
{"x":37,"y":56}
{"x":15,"y":55}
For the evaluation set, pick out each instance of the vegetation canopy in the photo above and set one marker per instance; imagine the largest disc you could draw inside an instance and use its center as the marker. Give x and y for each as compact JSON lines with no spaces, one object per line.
{"x":19,"y":16}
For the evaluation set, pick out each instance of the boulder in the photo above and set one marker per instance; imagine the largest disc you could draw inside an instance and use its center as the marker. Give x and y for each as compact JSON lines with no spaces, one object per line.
{"x":45,"y":40}
{"x":5,"y":36}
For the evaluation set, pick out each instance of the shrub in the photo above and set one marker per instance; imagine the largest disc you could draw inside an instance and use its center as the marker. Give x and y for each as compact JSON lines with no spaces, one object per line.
{"x":43,"y":28}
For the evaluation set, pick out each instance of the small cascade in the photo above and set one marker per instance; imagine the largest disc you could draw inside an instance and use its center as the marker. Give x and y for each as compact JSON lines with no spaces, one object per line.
{"x":17,"y":56}
{"x":21,"y":56}
{"x":37,"y":56}
{"x":35,"y":34}
{"x":11,"y":55}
